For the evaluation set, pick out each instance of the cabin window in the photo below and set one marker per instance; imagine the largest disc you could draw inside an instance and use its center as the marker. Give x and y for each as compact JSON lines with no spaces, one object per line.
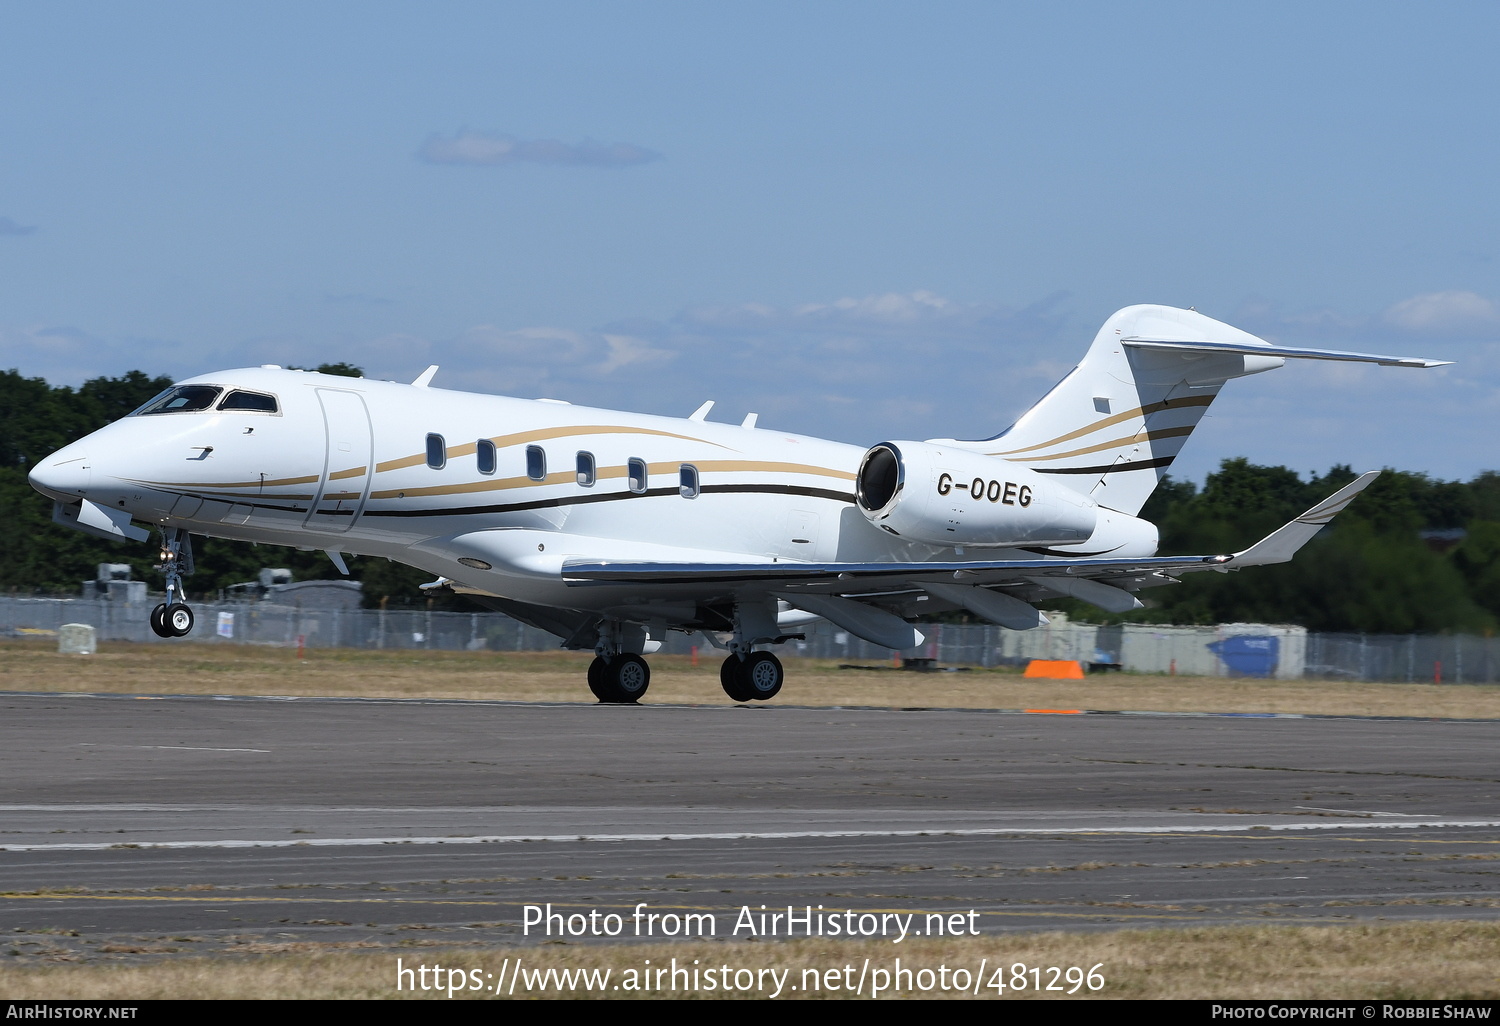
{"x":636,"y":475}
{"x":536,"y":463}
{"x":437,"y":452}
{"x":687,"y":481}
{"x":249,"y":402}
{"x":181,"y":399}
{"x":484,"y":452}
{"x":586,"y":469}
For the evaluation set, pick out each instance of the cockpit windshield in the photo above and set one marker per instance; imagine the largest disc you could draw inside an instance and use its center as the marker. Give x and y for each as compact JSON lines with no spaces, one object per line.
{"x":181,"y":399}
{"x":256,"y":402}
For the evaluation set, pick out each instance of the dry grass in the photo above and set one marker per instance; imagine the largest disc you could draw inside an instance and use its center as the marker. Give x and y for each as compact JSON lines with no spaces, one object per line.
{"x":187,"y":668}
{"x":1450,"y":960}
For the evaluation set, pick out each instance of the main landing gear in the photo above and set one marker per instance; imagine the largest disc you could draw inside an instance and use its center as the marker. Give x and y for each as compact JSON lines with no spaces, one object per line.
{"x":619,"y":676}
{"x":755,"y":678}
{"x":174,"y":618}
{"x":620,"y":680}
{"x":623,"y":678}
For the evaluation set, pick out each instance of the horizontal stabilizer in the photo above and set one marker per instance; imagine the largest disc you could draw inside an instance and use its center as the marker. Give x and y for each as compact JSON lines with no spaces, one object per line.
{"x":1282,"y":544}
{"x":1289,"y":352}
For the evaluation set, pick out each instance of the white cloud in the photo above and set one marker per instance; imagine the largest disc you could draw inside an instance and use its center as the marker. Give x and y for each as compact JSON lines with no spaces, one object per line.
{"x":479,"y":148}
{"x":624,"y":351}
{"x":1445,"y":313}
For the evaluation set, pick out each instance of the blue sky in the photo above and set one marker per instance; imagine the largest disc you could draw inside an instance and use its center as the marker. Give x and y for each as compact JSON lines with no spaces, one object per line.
{"x":862,"y":220}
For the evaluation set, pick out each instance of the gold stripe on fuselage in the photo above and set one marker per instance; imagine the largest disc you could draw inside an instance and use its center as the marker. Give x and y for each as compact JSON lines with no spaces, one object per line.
{"x":222,"y":490}
{"x":520,"y":437}
{"x":607,"y":473}
{"x":1118,"y":418}
{"x":1113,"y":443}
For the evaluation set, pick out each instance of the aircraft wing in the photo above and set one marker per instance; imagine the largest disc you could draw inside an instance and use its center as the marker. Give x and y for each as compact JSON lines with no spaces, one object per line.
{"x":1061,"y":574}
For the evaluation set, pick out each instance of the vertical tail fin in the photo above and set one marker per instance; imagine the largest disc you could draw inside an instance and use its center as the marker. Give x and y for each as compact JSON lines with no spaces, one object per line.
{"x":1114,"y":424}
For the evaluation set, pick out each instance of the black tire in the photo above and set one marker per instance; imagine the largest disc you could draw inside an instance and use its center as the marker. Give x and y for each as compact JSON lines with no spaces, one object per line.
{"x":761,"y":676}
{"x":729,"y":680}
{"x":596,"y":678}
{"x":625,"y":679}
{"x":178,"y":620}
{"x":159,"y":621}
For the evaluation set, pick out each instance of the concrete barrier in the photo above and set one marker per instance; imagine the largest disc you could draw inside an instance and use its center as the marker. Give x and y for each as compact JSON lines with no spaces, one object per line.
{"x":76,"y":639}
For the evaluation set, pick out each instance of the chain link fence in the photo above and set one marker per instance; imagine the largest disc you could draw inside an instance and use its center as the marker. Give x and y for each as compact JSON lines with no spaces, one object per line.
{"x":1281,"y":651}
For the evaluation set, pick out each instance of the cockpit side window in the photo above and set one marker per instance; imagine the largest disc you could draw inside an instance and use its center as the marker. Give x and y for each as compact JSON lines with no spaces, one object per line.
{"x":253,"y":402}
{"x":181,"y":399}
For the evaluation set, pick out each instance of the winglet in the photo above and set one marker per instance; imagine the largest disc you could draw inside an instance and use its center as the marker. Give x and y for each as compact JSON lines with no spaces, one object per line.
{"x":701,"y":412}
{"x":1282,"y":544}
{"x":338,"y":561}
{"x":425,"y":378}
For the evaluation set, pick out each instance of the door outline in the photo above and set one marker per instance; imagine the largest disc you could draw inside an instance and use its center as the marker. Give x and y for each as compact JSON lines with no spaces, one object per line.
{"x":346,"y":422}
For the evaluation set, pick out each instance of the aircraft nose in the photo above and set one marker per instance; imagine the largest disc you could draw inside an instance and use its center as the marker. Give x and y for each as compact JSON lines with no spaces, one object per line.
{"x":63,"y":476}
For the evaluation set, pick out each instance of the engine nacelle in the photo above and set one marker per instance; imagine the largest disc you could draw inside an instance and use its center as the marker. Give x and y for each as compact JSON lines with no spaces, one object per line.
{"x":950,"y":496}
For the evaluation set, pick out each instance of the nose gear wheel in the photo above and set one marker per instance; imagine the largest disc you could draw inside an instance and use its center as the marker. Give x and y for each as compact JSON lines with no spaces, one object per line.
{"x":173,"y":618}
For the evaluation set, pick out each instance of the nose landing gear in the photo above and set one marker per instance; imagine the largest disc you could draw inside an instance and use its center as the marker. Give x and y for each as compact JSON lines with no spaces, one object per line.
{"x":174,"y":618}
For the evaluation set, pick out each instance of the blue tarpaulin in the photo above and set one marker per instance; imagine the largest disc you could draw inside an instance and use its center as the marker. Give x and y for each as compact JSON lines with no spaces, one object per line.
{"x":1248,"y":655}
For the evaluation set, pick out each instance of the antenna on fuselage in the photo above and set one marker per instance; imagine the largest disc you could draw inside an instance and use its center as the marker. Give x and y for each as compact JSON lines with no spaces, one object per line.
{"x":425,"y":378}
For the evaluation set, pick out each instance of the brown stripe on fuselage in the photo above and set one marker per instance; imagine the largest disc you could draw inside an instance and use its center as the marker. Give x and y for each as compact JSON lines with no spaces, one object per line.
{"x":608,"y":473}
{"x":520,"y":437}
{"x":1118,"y":418}
{"x":1114,"y":443}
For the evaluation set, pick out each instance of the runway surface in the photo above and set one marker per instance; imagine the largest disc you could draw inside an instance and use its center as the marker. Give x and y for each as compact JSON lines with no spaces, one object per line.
{"x":141,"y":827}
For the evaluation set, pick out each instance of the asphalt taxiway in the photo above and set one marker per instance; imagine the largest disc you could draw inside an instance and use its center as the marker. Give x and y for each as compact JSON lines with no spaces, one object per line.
{"x":230,"y":821}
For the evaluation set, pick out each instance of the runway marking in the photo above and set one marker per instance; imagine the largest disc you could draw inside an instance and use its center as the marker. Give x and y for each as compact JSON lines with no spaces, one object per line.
{"x":171,"y":748}
{"x":696,"y":706}
{"x":1111,"y":913}
{"x":1217,"y":829}
{"x":1354,"y":812}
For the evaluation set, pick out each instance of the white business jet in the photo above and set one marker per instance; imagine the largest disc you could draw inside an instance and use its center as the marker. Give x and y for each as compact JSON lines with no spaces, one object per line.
{"x":609,"y":529}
